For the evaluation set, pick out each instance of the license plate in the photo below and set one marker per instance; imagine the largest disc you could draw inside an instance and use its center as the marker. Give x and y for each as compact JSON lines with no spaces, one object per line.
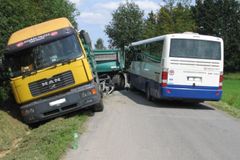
{"x":57,"y":102}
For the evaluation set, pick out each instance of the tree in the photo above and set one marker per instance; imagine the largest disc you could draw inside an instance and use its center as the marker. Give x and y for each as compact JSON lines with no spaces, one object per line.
{"x":150,"y":27}
{"x":126,"y":25}
{"x":58,"y":8}
{"x":99,"y":44}
{"x":221,"y":18}
{"x":171,"y":18}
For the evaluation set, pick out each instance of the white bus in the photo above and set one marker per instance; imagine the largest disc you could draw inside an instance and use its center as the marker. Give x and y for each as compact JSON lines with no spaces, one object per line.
{"x":185,"y":66}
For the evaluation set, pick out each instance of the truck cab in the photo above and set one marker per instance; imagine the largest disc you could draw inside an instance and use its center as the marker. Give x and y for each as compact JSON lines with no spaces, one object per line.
{"x":50,"y":73}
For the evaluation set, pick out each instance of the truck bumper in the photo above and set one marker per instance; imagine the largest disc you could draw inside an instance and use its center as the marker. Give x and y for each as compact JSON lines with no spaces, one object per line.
{"x":75,"y":99}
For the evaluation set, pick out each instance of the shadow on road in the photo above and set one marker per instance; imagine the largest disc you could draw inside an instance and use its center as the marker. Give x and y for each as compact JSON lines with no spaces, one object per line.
{"x":139,"y":98}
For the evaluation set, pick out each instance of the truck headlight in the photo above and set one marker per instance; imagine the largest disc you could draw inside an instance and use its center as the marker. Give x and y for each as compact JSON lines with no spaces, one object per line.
{"x":26,"y":112}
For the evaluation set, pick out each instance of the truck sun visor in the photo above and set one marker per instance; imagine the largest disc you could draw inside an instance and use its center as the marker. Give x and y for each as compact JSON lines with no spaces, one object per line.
{"x":40,"y":39}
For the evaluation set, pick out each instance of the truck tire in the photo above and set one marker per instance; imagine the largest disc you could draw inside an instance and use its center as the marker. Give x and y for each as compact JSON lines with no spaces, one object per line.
{"x":98,"y":107}
{"x":118,"y":81}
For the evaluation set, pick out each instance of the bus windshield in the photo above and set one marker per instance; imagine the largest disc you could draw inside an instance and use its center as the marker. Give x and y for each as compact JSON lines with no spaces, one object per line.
{"x":42,"y":56}
{"x":191,"y":48}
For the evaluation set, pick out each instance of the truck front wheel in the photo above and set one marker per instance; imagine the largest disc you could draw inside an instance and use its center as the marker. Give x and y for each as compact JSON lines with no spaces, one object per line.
{"x":98,"y":107}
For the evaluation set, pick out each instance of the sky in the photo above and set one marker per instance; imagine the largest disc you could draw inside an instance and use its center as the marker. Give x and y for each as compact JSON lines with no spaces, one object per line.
{"x":96,"y":14}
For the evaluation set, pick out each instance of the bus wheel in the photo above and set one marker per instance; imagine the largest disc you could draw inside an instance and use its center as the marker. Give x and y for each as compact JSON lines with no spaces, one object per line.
{"x":98,"y":107}
{"x":132,"y":88}
{"x":148,"y":94}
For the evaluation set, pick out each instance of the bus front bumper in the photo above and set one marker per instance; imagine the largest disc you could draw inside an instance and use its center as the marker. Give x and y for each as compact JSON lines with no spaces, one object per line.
{"x":192,"y":93}
{"x":61,"y":104}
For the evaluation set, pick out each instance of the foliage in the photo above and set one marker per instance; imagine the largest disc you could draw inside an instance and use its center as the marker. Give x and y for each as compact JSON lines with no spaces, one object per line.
{"x":126,"y":25}
{"x":235,"y":76}
{"x":221,"y":18}
{"x":169,"y":19}
{"x":231,"y":95}
{"x":99,"y":44}
{"x":3,"y":94}
{"x":51,"y":9}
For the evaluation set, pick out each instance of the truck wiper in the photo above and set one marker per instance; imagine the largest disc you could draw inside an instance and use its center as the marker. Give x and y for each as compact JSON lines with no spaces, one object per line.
{"x":66,"y":61}
{"x":63,"y":61}
{"x":26,"y":74}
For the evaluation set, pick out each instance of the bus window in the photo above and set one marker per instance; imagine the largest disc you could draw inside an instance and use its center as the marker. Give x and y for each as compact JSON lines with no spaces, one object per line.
{"x":201,"y":49}
{"x":155,"y":49}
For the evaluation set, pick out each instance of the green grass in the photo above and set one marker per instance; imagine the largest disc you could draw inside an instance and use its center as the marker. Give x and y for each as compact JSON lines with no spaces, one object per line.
{"x":230,"y":101}
{"x":10,"y":130}
{"x":231,"y":92}
{"x":48,"y":141}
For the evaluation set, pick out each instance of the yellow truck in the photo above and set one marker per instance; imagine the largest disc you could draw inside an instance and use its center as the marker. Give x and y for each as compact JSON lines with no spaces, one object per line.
{"x":50,"y":74}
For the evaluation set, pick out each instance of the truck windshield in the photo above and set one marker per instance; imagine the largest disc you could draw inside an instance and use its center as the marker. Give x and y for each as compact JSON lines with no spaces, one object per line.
{"x":190,"y":48}
{"x":45,"y":55}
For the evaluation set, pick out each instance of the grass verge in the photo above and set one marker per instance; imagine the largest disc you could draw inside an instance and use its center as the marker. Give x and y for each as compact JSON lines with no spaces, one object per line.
{"x":11,"y":129}
{"x":227,"y":108}
{"x":230,"y":101}
{"x":48,"y":141}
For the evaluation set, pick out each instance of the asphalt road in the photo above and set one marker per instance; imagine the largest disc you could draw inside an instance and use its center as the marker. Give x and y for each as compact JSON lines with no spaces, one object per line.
{"x":131,"y":128}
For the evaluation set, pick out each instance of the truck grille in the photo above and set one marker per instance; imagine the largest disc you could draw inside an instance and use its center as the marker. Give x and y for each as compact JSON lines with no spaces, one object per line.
{"x":56,"y":82}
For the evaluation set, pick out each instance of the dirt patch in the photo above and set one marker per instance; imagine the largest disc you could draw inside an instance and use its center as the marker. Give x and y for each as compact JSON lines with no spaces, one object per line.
{"x":14,"y":145}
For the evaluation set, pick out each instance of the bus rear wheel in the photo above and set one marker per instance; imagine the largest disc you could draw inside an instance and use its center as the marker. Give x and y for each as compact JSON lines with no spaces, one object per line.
{"x":148,"y":94}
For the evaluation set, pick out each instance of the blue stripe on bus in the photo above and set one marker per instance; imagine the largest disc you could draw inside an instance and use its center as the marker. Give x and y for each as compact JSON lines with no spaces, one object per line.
{"x":191,"y":92}
{"x":176,"y":91}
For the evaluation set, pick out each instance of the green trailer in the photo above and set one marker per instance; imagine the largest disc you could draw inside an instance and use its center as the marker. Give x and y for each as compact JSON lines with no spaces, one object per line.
{"x":107,"y":65}
{"x":110,"y":65}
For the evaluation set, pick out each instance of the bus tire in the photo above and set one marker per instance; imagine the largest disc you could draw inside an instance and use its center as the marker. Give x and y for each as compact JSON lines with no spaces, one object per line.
{"x":148,"y":93}
{"x":132,"y":88}
{"x":98,"y":107}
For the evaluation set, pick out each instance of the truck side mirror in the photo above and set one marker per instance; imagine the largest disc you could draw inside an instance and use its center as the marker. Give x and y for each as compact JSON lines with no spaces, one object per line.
{"x":85,"y":36}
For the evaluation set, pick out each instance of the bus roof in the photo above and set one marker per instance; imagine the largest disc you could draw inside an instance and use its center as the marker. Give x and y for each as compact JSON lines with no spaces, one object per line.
{"x":176,"y":35}
{"x":39,"y":29}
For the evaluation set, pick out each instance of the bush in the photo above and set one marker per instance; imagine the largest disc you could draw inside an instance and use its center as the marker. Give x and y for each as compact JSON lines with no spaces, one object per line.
{"x":3,"y":94}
